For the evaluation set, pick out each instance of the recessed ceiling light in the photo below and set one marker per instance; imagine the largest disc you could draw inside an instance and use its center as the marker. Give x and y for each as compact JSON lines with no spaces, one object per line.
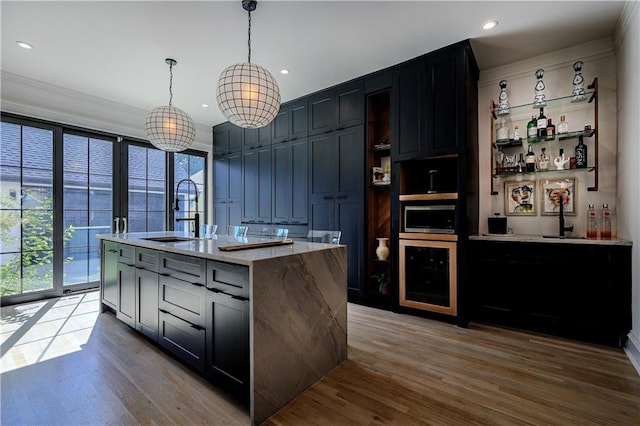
{"x":24,"y":45}
{"x":489,"y":25}
{"x":284,"y":71}
{"x":205,"y":105}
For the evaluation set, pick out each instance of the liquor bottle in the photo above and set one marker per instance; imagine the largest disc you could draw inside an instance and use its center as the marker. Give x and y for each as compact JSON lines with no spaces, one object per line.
{"x":592,"y":223}
{"x":516,"y":132}
{"x":521,"y":164}
{"x":502,"y":132}
{"x":541,"y":124}
{"x":543,"y":161}
{"x":532,"y":129}
{"x":563,"y":126}
{"x":581,"y":154}
{"x":551,"y":129}
{"x":605,"y":234}
{"x":530,"y":160}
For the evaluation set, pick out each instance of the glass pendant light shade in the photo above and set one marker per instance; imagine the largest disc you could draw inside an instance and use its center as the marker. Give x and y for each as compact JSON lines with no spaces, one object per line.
{"x":248,"y":95}
{"x":170,"y":129}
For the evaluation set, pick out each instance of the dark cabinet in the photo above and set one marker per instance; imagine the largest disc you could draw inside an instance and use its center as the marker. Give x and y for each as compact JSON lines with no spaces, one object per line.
{"x":336,"y":192}
{"x":581,"y":291}
{"x":109,"y":288}
{"x":255,"y":138}
{"x":126,"y":309}
{"x":337,"y":108}
{"x":180,"y":297}
{"x":227,"y":171}
{"x":256,"y":185}
{"x":429,"y":103}
{"x":147,"y":303}
{"x":228,"y":324}
{"x":227,"y":138}
{"x":291,"y":121}
{"x":290,"y":177}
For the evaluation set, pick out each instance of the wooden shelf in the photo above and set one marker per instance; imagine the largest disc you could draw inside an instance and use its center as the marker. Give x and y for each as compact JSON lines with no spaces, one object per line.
{"x":429,"y":197}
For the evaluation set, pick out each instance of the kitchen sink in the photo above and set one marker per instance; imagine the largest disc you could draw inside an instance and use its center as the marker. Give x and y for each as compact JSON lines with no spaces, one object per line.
{"x":169,"y":239}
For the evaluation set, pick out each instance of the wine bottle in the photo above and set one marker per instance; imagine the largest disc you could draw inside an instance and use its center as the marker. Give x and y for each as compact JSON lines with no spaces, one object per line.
{"x":592,"y":223}
{"x":532,"y":130}
{"x":541,"y":124}
{"x":581,"y":154}
{"x":530,"y":160}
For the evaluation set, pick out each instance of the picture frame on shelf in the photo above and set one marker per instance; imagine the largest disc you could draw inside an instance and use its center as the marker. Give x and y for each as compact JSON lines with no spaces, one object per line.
{"x":519,"y":198}
{"x":377,"y":175}
{"x":552,"y":190}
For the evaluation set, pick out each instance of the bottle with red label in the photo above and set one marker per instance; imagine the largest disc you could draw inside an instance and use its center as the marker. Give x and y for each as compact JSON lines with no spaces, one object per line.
{"x":605,"y":233}
{"x":592,"y":223}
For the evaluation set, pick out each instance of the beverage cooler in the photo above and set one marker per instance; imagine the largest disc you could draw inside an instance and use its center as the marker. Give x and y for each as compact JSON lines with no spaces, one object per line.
{"x":428,"y":274}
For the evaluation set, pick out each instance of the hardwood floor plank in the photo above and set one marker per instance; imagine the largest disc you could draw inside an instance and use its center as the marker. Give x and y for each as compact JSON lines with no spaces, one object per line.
{"x":65,"y":363}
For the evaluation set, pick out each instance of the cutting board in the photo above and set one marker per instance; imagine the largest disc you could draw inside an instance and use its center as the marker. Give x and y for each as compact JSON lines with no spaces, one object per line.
{"x":255,"y":245}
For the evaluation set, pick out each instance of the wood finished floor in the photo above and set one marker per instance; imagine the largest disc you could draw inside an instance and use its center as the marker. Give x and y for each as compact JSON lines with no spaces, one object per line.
{"x":64,"y":363}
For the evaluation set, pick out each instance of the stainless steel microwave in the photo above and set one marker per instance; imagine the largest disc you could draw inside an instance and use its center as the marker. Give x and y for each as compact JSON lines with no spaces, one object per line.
{"x":431,"y":219}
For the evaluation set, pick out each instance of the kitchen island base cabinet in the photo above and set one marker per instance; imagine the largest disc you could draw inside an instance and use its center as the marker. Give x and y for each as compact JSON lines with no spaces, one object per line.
{"x":109,"y":288}
{"x":184,"y":340}
{"x":580,"y":291}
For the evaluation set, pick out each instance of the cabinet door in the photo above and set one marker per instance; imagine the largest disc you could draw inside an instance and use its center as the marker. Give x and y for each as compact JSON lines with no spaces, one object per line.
{"x":221,"y":139}
{"x":147,"y":303}
{"x":228,"y":342}
{"x":249,"y":187}
{"x":281,"y":125}
{"x":298,"y":119}
{"x":299,"y":181}
{"x":282,"y":182}
{"x":264,"y":135}
{"x":263,"y":185}
{"x":236,"y":136}
{"x":182,"y":299}
{"x":109,"y":287}
{"x":321,"y":113}
{"x":221,"y":215}
{"x":235,"y":176}
{"x":348,"y":161}
{"x":349,"y":213}
{"x":445,"y":106}
{"x":184,"y":340}
{"x":349,"y":104}
{"x":322,"y":164}
{"x":408,"y":112}
{"x":126,"y":311}
{"x":221,"y":178}
{"x":250,"y":138}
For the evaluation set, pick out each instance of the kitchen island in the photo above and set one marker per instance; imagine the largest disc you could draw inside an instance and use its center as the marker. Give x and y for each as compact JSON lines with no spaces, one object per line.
{"x":264,"y":323}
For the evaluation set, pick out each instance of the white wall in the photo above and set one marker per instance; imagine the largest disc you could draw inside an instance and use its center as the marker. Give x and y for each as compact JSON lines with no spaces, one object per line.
{"x":599,"y":61}
{"x":628,"y":68}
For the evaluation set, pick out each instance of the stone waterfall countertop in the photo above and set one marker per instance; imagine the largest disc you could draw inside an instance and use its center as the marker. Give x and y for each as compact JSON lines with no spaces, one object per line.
{"x":208,"y":248}
{"x":523,"y":238}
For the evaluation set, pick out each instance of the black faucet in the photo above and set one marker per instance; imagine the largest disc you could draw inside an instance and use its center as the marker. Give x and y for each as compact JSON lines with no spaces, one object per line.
{"x":561,"y":218}
{"x":196,"y":216}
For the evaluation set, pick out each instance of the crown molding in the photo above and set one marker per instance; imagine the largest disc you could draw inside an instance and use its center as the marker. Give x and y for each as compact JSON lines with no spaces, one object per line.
{"x":558,"y":59}
{"x":628,"y":15}
{"x":34,"y":98}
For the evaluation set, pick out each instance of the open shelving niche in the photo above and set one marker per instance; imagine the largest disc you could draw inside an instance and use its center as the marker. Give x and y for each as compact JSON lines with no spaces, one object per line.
{"x":379,"y":198}
{"x":521,"y":114}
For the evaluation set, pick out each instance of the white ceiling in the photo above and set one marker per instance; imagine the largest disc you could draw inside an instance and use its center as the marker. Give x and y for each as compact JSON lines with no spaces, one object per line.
{"x":117,"y":50}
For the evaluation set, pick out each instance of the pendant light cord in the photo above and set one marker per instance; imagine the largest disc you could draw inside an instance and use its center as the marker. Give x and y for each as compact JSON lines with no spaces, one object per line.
{"x":170,"y":84}
{"x":249,"y":37}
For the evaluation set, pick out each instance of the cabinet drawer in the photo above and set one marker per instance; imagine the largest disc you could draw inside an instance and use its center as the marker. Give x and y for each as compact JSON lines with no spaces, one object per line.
{"x":183,"y":339}
{"x":186,"y":268}
{"x":147,"y":259}
{"x":228,"y":278}
{"x":183,"y":299}
{"x":126,"y":254}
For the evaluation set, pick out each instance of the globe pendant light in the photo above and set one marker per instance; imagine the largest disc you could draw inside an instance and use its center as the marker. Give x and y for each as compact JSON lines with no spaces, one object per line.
{"x":248,"y":95}
{"x":169,"y":128}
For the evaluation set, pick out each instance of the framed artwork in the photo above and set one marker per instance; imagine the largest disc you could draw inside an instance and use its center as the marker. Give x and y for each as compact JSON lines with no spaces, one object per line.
{"x":554,"y":190}
{"x":519,"y":198}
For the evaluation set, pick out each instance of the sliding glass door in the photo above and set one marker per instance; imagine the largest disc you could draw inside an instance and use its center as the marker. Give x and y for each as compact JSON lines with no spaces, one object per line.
{"x":27,"y":222}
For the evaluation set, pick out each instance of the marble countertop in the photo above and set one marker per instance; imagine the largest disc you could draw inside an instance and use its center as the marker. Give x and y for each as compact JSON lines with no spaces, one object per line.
{"x":209,"y":247}
{"x":524,"y":238}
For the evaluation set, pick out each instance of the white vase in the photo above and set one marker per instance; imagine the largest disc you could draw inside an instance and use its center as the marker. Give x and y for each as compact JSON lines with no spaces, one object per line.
{"x":382,"y":251}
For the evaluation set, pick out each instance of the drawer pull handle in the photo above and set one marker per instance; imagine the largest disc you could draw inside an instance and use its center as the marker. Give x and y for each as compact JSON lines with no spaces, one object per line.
{"x":197,"y":327}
